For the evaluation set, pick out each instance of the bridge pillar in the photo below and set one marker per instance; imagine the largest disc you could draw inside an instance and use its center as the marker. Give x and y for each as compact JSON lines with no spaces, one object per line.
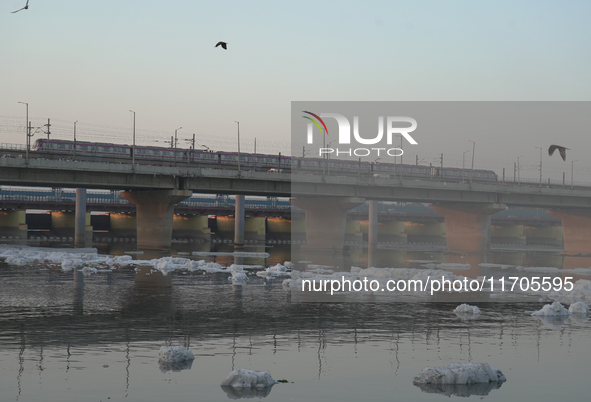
{"x":80,"y":220}
{"x":467,"y":226}
{"x":154,"y":214}
{"x":239,"y":221}
{"x":326,"y":220}
{"x":576,"y":229}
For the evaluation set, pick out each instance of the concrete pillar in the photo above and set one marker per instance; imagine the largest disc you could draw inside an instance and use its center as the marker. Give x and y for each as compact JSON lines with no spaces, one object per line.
{"x":326,"y":219}
{"x":576,"y":229}
{"x":467,"y":226}
{"x":80,"y":221}
{"x":239,"y":221}
{"x":154,"y":212}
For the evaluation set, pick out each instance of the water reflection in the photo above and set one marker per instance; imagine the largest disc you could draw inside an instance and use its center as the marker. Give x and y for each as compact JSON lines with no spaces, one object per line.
{"x":246,"y":393}
{"x":56,"y":327}
{"x":463,"y":390}
{"x":175,"y":366}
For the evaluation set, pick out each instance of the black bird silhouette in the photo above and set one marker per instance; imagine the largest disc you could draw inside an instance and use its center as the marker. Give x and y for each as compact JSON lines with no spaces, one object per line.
{"x":26,"y":7}
{"x":223,"y":44}
{"x":560,"y":149}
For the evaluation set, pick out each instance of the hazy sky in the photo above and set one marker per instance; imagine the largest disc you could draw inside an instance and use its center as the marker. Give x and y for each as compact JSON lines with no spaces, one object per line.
{"x":93,"y":61}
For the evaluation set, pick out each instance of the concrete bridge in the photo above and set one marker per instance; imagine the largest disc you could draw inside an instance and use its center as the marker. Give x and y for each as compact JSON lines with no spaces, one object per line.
{"x":155,"y":190}
{"x":267,"y":219}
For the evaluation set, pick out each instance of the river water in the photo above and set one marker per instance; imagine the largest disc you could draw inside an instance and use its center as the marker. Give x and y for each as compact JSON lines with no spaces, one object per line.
{"x":66,"y":336}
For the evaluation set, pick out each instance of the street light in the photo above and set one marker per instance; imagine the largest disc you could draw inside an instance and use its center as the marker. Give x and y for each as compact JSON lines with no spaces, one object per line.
{"x":518,"y":168}
{"x":464,"y":163}
{"x":192,"y":154}
{"x":572,"y":175}
{"x":75,"y":137}
{"x":540,"y":165}
{"x":133,"y":146}
{"x":328,"y":157}
{"x":473,"y":149}
{"x":175,"y":142}
{"x":26,"y":132}
{"x":238,"y":123}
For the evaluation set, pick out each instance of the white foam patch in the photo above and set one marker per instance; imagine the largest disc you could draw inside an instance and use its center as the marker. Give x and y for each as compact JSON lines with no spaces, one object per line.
{"x":276,"y":270}
{"x":243,"y":378}
{"x":489,"y":265}
{"x":467,"y":311}
{"x":422,"y":261}
{"x":579,"y":308}
{"x":578,"y":271}
{"x":174,"y":354}
{"x":554,"y":309}
{"x":546,"y":270}
{"x":87,"y":271}
{"x":235,"y":254}
{"x":460,"y":373}
{"x":238,"y":275}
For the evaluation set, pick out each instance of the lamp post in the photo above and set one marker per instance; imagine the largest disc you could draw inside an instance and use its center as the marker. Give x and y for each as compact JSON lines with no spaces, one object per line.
{"x":464,"y":164}
{"x":75,"y":137}
{"x":175,"y":142}
{"x":572,"y":174}
{"x":26,"y":132}
{"x":238,"y":123}
{"x":192,"y":153}
{"x":518,"y":169}
{"x":540,"y":165}
{"x":401,"y":153}
{"x":473,"y":149}
{"x":133,"y":146}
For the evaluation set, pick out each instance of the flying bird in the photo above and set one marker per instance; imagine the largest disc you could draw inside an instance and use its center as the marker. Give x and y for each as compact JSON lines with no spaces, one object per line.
{"x":26,"y":7}
{"x":561,"y":150}
{"x":223,"y":44}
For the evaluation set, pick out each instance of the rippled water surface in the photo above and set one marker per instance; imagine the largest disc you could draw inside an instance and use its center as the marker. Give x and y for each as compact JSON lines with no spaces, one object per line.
{"x":69,"y":337}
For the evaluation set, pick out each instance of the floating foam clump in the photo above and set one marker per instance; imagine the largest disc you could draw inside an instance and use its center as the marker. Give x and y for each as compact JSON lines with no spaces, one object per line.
{"x":238,"y":278}
{"x":68,"y":264}
{"x":277,"y":270}
{"x":175,"y":354}
{"x":553,"y":309}
{"x":460,"y":373}
{"x":579,"y":308}
{"x":467,"y":311}
{"x":243,"y":378}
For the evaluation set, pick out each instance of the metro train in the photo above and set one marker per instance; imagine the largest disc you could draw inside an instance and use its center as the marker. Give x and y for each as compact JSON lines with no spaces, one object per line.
{"x":260,"y":162}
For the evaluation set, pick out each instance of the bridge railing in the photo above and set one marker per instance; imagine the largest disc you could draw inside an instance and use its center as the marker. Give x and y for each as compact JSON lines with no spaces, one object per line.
{"x":12,"y":147}
{"x":547,"y":182}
